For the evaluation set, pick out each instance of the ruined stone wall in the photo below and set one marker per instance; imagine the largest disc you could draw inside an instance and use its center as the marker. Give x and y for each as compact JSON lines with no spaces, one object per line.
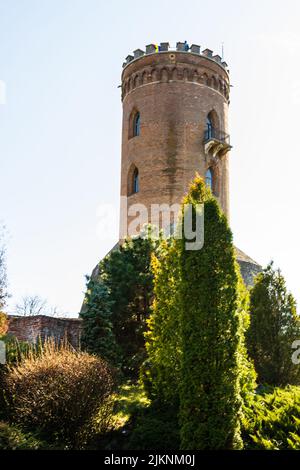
{"x":31,"y":328}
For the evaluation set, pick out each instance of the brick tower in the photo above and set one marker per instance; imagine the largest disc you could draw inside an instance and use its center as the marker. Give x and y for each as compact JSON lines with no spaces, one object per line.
{"x":175,"y":123}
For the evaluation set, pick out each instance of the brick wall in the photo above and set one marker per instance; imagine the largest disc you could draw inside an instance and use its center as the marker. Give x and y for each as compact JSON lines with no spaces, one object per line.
{"x":31,"y":328}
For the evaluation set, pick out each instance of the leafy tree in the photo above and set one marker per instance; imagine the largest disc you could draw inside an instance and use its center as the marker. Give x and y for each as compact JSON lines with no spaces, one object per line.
{"x":98,"y":336}
{"x":273,"y":329}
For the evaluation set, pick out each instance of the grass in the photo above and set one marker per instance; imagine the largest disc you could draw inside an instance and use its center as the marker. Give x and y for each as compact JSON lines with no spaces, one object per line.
{"x":129,"y":399}
{"x":128,"y":402}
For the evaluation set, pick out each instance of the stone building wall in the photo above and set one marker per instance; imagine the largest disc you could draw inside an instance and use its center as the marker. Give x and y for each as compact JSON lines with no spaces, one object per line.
{"x":31,"y":328}
{"x":249,"y":268}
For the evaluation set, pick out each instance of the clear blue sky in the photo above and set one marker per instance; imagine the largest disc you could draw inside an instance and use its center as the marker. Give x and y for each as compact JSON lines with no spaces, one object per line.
{"x":61,"y":126}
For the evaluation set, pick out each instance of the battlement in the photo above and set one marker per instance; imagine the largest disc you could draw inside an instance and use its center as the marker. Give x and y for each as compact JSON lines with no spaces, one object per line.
{"x":164,"y":47}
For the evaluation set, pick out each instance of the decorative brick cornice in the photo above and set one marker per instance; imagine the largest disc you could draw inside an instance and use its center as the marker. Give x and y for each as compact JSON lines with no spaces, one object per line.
{"x":164,"y":73}
{"x":177,"y":66}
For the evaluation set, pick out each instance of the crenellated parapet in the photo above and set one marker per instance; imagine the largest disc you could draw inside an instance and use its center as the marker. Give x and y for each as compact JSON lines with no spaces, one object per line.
{"x":164,"y":47}
{"x":163,"y":64}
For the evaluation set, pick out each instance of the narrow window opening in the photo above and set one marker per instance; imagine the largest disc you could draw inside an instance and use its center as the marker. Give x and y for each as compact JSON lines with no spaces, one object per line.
{"x":137,"y":125}
{"x":209,"y":127}
{"x":136,"y":187}
{"x":209,"y":179}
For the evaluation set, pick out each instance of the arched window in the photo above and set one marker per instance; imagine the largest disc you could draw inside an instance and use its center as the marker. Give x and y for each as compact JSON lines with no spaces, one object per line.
{"x":136,"y":125}
{"x":135,"y":188}
{"x":133,"y":182}
{"x":209,"y":179}
{"x":209,"y":127}
{"x":212,"y":125}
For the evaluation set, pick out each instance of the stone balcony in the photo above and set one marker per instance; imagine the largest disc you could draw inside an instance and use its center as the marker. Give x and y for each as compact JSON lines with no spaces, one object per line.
{"x":216,"y":142}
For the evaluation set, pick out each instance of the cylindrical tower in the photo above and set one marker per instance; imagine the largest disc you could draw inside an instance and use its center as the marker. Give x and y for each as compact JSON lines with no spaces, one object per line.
{"x":175,"y":123}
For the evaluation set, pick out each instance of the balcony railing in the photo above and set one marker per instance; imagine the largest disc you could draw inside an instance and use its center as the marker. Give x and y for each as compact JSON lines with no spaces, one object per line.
{"x":217,"y":135}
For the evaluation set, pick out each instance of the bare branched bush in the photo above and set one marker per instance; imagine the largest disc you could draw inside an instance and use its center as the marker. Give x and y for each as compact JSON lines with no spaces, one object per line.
{"x":61,"y":393}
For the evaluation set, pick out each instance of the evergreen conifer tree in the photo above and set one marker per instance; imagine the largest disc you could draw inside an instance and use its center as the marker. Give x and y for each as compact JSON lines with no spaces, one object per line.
{"x":210,"y":400}
{"x":197,"y":356}
{"x":274,"y":327}
{"x":98,"y":335}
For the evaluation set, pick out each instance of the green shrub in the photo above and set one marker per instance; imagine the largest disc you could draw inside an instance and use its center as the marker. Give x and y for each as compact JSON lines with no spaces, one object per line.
{"x":12,"y":438}
{"x":272,"y":421}
{"x":60,"y":393}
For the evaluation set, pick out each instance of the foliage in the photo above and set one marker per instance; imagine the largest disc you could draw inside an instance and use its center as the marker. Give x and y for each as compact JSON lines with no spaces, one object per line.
{"x":98,"y":336}
{"x":3,"y":323}
{"x":195,"y":344}
{"x":16,"y":350}
{"x":128,"y":402}
{"x":248,"y":374}
{"x":126,"y":273}
{"x":155,"y":428}
{"x":137,"y":424}
{"x":60,"y":393}
{"x":160,"y":374}
{"x":12,"y":438}
{"x":272,"y":421}
{"x":210,"y":401}
{"x":273,"y":329}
